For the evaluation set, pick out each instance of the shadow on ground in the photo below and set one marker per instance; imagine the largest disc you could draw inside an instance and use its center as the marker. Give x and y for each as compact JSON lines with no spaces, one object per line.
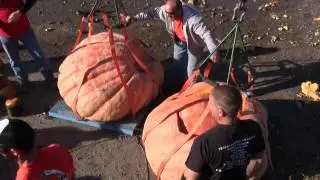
{"x":286,"y":74}
{"x":219,"y":72}
{"x":71,"y":137}
{"x":32,"y":66}
{"x":294,"y":131}
{"x":38,"y":101}
{"x":41,"y":97}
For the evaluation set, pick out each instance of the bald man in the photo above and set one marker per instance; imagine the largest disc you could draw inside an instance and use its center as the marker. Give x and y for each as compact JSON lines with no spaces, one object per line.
{"x":192,"y":39}
{"x":224,"y":152}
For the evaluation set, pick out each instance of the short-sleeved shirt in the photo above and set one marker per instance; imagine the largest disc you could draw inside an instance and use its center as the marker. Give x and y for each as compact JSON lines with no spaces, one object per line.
{"x":223,"y":152}
{"x":53,"y":162}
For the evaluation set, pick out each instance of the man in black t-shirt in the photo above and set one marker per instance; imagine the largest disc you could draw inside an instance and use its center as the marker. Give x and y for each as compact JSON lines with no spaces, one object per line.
{"x":224,"y":152}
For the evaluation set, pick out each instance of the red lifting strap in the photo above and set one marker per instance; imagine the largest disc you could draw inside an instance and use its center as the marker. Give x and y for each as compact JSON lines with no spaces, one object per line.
{"x":116,"y":62}
{"x":90,"y":28}
{"x":77,"y":41}
{"x":233,"y":77}
{"x":79,"y":34}
{"x":134,"y":52}
{"x":179,"y":144}
{"x":174,"y":109}
{"x":138,"y":60}
{"x":125,"y":32}
{"x":194,"y":75}
{"x":250,"y":79}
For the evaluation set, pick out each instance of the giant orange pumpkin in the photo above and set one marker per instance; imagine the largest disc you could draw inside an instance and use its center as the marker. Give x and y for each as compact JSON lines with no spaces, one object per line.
{"x":102,"y":87}
{"x":170,"y":129}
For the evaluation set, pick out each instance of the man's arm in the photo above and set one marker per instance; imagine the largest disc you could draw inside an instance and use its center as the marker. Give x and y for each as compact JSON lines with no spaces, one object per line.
{"x":204,"y":33}
{"x":152,"y":14}
{"x":195,"y":161}
{"x":27,"y":5}
{"x":24,"y":8}
{"x":258,"y":143}
{"x":257,"y":155}
{"x":190,"y":175}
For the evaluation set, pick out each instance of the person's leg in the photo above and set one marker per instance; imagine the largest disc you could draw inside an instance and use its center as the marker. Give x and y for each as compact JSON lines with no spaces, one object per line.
{"x":30,"y":42}
{"x":176,"y":73}
{"x":179,"y":50}
{"x":11,"y":47}
{"x":192,"y":62}
{"x":180,"y":57}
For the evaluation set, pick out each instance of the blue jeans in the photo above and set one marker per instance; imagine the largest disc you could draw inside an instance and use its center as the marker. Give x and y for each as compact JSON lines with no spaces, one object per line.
{"x":11,"y":47}
{"x":177,"y":73}
{"x":184,"y":59}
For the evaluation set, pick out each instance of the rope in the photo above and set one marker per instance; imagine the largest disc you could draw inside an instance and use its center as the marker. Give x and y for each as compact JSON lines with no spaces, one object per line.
{"x":116,"y":62}
{"x":239,"y":9}
{"x":232,"y":52}
{"x":196,"y":73}
{"x":79,"y":34}
{"x":183,"y":142}
{"x":90,"y":22}
{"x":93,"y":9}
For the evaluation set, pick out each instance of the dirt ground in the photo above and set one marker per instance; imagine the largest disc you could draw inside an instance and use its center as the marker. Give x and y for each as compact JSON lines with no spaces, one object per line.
{"x":281,"y":66}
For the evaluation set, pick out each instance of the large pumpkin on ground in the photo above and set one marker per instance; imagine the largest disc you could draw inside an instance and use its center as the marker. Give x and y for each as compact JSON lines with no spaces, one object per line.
{"x":171,"y":128}
{"x":95,"y":89}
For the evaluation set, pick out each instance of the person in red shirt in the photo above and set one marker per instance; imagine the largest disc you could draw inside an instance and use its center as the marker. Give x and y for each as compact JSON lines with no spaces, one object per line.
{"x":17,"y":143}
{"x":15,"y":27}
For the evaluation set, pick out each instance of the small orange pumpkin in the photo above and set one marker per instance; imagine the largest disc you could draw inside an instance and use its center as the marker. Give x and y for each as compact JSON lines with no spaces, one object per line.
{"x":12,"y":102}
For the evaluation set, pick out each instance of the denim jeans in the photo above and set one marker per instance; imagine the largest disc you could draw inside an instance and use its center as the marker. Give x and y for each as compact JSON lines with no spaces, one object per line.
{"x":184,"y":59}
{"x":11,"y":47}
{"x":177,"y":73}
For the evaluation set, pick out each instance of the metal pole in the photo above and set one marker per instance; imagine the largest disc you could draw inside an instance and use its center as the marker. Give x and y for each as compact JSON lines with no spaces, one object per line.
{"x":232,"y":52}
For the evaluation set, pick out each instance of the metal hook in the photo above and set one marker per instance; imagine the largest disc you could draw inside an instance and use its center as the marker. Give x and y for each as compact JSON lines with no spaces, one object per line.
{"x":239,"y":9}
{"x":94,"y":7}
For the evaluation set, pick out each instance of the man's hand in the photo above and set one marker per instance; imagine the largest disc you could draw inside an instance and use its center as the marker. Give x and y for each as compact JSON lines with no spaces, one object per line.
{"x":126,"y":18}
{"x":14,"y":17}
{"x":215,"y":57}
{"x":190,"y":174}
